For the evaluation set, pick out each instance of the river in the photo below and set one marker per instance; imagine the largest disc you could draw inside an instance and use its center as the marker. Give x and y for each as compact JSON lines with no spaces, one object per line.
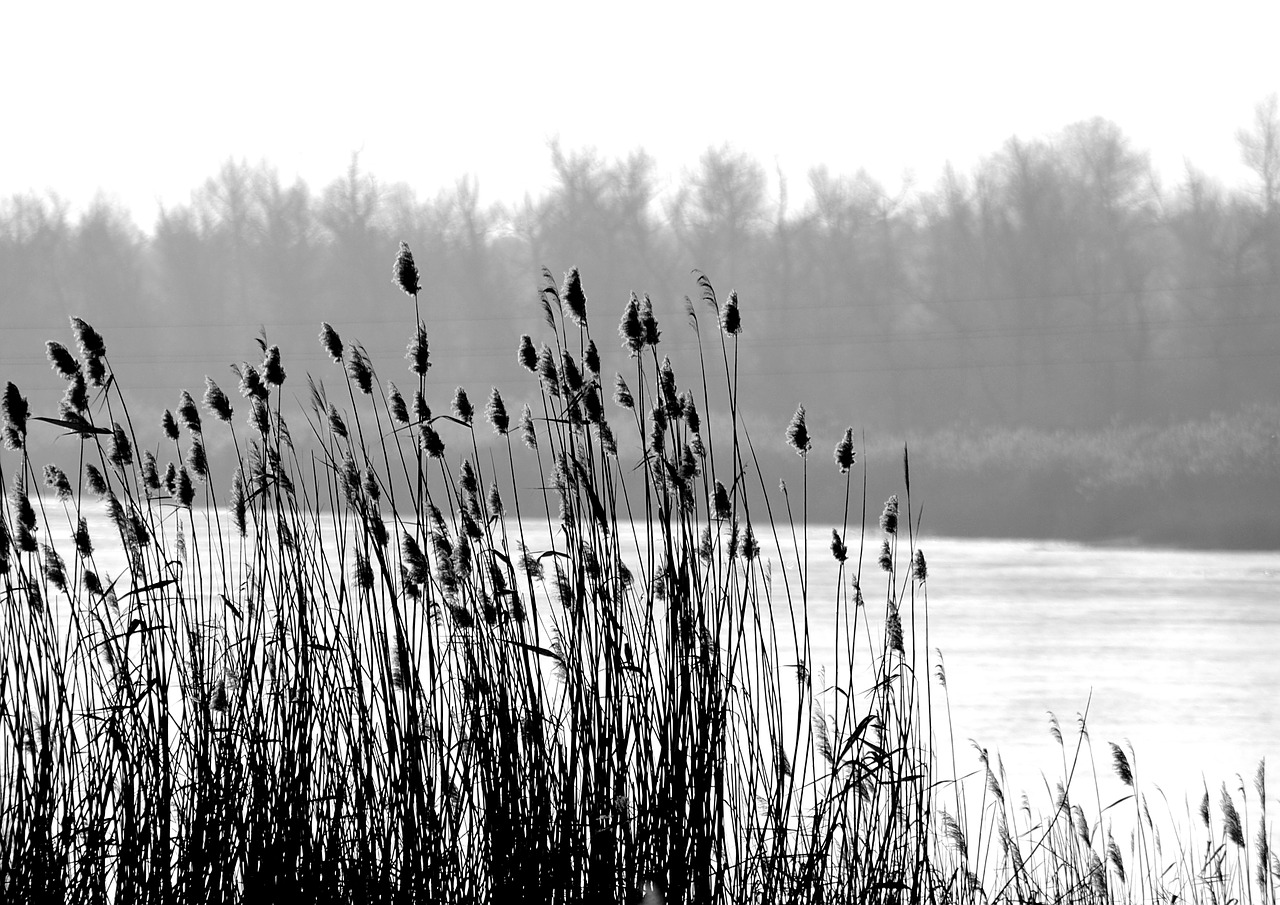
{"x":1175,"y":651}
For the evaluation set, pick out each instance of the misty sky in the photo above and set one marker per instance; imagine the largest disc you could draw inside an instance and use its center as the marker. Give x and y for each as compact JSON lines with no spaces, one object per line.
{"x":146,"y":100}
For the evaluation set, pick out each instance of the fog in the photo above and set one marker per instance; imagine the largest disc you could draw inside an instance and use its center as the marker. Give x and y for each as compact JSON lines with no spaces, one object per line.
{"x":1057,"y":313}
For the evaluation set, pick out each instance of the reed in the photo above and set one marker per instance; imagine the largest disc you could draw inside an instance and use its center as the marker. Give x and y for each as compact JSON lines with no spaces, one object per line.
{"x":405,"y":658}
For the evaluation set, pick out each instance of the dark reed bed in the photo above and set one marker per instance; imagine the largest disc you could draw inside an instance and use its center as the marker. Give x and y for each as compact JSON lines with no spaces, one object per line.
{"x":554,"y":650}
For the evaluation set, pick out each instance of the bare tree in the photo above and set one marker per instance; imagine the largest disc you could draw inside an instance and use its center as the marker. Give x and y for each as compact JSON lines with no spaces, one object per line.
{"x":349,"y":210}
{"x":719,"y":210}
{"x":1260,"y":150}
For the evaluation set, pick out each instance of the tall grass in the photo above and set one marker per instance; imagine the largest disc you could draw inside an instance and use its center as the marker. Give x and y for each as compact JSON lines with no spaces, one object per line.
{"x":433,"y":650}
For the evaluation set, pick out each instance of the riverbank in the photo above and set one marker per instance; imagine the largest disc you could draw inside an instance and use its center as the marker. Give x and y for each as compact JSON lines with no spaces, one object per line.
{"x":1212,"y":483}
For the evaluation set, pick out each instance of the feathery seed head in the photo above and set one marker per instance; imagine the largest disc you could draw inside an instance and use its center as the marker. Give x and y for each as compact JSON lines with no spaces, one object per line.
{"x":690,"y":409}
{"x":395,"y":402}
{"x":62,"y":360}
{"x":88,"y":339}
{"x":360,"y":370}
{"x":750,"y":546}
{"x":730,"y":318}
{"x":362,"y":572}
{"x":720,"y":502}
{"x":405,"y":271}
{"x":272,"y":369}
{"x":1231,"y":824}
{"x":54,"y":568}
{"x":169,"y":425}
{"x":421,"y":411}
{"x":838,"y":548}
{"x":575,"y":300}
{"x":121,"y":454}
{"x":15,"y":411}
{"x":844,"y":453}
{"x":430,"y":442}
{"x":414,"y":559}
{"x":115,"y":512}
{"x":1121,"y":764}
{"x":920,"y":568}
{"x":461,"y":616}
{"x":622,"y":393}
{"x":704,"y":544}
{"x":372,"y":489}
{"x":260,"y":416}
{"x":889,"y":517}
{"x":95,"y":480}
{"x":527,"y":434}
{"x":92,"y":350}
{"x":631,"y":328}
{"x":83,"y":542}
{"x":467,"y":480}
{"x":331,"y":341}
{"x":496,"y":412}
{"x":667,"y":386}
{"x":186,"y":489}
{"x":56,"y":479}
{"x":76,"y":398}
{"x":591,"y":358}
{"x":570,"y":373}
{"x":25,"y":516}
{"x":216,"y":401}
{"x":649,"y":322}
{"x":657,"y":429}
{"x":188,"y":412}
{"x":528,"y":355}
{"x":591,"y":402}
{"x":462,"y":557}
{"x":349,"y":478}
{"x":886,"y":556}
{"x":336,"y":424}
{"x":221,"y":703}
{"x":418,"y":352}
{"x":138,"y":530}
{"x":607,"y":440}
{"x":97,"y":371}
{"x":251,"y":385}
{"x":239,"y":502}
{"x":893,"y":629}
{"x":798,"y":433}
{"x":688,"y":464}
{"x":547,"y":371}
{"x":462,"y":408}
{"x":150,"y":476}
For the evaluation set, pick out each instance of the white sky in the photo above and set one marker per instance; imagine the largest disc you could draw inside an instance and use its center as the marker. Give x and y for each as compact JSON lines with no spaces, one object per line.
{"x":147,"y":100}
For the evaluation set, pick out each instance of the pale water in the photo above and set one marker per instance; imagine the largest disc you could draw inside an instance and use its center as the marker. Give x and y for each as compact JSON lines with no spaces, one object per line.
{"x":1174,"y":651}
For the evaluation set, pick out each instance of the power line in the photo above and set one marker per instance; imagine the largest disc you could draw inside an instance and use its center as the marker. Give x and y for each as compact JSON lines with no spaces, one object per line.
{"x":442,"y":313}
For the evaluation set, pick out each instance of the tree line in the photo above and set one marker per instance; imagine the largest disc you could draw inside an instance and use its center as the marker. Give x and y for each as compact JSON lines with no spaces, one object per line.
{"x":1057,"y":284}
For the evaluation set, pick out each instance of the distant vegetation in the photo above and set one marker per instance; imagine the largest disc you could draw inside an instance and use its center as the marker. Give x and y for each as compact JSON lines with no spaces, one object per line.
{"x":379,"y":667}
{"x":1212,"y":482}
{"x":1057,"y":291}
